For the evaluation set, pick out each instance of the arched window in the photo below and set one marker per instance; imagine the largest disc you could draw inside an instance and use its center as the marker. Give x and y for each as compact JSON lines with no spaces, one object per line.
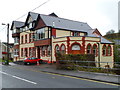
{"x":75,"y":47}
{"x":95,"y":50}
{"x":57,"y":49}
{"x":104,"y":50}
{"x":89,"y":49}
{"x":43,"y":50}
{"x":49,"y":50}
{"x":109,"y":50}
{"x":63,"y":49}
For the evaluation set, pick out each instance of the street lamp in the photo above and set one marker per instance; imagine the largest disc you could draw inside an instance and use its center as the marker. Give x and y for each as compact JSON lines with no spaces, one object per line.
{"x":7,"y":61}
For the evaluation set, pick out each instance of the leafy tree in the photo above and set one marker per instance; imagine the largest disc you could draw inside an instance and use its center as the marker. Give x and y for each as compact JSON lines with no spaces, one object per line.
{"x":117,"y":53}
{"x":110,"y":32}
{"x":119,"y":31}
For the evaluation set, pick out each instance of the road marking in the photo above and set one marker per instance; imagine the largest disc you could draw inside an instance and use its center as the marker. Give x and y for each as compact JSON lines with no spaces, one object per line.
{"x":24,"y":79}
{"x":18,"y":78}
{"x":69,"y":76}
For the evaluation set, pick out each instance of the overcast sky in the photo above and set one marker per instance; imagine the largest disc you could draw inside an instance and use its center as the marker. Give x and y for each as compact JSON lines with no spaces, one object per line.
{"x":101,"y":14}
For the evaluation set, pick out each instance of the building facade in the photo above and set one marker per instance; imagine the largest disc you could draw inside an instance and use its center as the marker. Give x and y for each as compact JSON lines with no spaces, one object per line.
{"x":42,"y":36}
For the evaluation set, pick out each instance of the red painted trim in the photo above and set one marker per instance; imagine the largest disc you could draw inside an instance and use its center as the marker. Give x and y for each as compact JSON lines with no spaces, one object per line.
{"x":68,"y":45}
{"x":83,"y":45}
{"x":53,"y":32}
{"x":92,"y":41}
{"x":75,"y":41}
{"x":60,"y":41}
{"x":4,"y":52}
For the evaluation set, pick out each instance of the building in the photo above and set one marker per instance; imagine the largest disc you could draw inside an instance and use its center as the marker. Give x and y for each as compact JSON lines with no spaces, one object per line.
{"x":0,"y":49}
{"x":42,"y":36}
{"x":119,"y":15}
{"x":4,"y":50}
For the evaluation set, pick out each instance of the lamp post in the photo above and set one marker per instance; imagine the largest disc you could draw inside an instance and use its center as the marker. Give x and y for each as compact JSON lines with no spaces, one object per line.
{"x":7,"y":61}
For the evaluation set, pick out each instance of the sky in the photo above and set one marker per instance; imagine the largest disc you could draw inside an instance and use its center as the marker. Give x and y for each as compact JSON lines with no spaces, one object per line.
{"x":101,"y":14}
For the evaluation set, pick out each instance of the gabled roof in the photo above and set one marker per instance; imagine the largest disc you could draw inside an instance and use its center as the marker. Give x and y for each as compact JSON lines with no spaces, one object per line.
{"x":103,"y":40}
{"x":53,"y":14}
{"x":96,"y":31}
{"x":33,"y":15}
{"x":17,"y":24}
{"x":61,"y":23}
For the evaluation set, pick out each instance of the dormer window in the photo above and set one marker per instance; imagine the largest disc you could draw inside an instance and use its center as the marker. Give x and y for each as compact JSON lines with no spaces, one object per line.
{"x":14,"y":31}
{"x":76,"y":34}
{"x":26,"y":28}
{"x":30,"y":25}
{"x":21,"y":29}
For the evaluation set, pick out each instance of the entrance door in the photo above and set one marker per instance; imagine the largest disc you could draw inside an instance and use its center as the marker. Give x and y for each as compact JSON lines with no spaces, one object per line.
{"x":38,"y":52}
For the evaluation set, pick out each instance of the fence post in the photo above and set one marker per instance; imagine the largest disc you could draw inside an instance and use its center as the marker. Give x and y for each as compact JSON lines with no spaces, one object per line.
{"x":107,"y":69}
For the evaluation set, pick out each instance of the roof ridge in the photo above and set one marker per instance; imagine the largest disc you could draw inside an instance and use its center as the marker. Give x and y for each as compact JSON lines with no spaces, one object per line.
{"x":59,"y":17}
{"x":64,"y":18}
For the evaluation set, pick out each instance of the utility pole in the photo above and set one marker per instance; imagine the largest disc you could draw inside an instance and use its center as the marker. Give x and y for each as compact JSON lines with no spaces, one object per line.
{"x":7,"y":61}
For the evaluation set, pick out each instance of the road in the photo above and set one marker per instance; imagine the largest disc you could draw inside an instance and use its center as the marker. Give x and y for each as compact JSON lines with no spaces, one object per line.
{"x":22,"y":78}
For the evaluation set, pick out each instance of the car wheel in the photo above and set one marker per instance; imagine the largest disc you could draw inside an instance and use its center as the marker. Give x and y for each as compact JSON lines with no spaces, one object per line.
{"x":40,"y":61}
{"x":25,"y":63}
{"x":28,"y":63}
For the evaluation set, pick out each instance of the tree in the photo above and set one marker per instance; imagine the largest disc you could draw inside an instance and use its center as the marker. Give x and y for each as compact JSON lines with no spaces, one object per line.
{"x":110,"y":32}
{"x":119,"y":31}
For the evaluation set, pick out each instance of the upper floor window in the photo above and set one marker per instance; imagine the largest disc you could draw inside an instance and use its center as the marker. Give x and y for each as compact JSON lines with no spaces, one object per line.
{"x":30,"y":37}
{"x":25,"y":38}
{"x":76,"y":34}
{"x":16,"y":52}
{"x":14,"y":31}
{"x":89,"y":49}
{"x":16,"y":40}
{"x":21,"y":29}
{"x":40,"y":34}
{"x":30,"y":25}
{"x":21,"y":39}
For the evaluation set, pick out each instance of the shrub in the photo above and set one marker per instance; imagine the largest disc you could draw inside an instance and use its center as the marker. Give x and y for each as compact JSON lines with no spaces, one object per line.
{"x":68,"y":61}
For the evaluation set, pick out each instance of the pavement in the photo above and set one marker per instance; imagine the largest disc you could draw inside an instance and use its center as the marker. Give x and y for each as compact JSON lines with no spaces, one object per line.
{"x":109,"y":78}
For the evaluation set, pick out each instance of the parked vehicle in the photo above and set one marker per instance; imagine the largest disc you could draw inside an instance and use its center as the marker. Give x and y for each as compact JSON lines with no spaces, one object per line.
{"x":32,"y":60}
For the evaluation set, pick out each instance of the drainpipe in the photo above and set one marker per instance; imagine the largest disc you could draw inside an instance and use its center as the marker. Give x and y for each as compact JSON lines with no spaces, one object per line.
{"x":51,"y":42}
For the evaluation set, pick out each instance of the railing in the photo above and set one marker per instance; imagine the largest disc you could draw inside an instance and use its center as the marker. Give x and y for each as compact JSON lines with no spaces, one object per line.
{"x":106,"y":67}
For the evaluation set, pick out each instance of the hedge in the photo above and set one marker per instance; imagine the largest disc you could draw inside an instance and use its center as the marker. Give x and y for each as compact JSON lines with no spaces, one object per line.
{"x":68,"y":61}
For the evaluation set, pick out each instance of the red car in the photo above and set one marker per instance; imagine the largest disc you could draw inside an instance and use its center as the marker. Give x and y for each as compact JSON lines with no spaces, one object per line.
{"x":32,"y":60}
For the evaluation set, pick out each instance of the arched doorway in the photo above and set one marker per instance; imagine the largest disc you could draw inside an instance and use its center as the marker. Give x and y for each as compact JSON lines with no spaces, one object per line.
{"x":75,"y":49}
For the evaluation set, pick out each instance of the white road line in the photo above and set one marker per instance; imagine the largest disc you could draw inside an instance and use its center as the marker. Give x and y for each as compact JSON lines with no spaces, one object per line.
{"x":24,"y":79}
{"x":18,"y":78}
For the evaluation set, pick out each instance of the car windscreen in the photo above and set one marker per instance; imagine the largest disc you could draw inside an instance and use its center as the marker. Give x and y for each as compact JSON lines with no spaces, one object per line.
{"x":33,"y":58}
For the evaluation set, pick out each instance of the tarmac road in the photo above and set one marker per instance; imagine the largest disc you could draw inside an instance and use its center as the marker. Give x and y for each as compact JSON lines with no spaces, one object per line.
{"x":23,"y":78}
